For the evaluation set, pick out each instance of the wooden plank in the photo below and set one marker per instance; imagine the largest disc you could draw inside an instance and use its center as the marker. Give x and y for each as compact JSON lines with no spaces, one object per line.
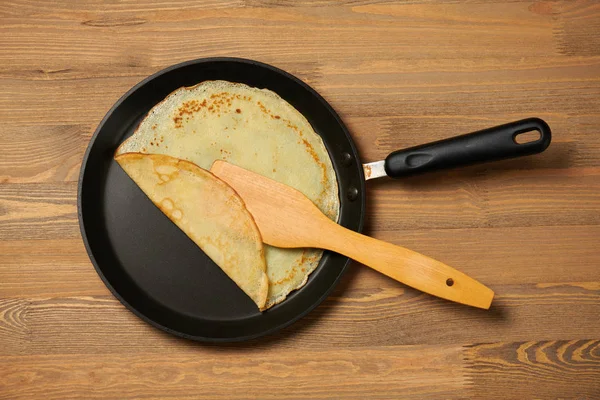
{"x":27,"y":100}
{"x":350,"y":317}
{"x":510,"y":256}
{"x":42,"y":153}
{"x":561,"y":369}
{"x":62,"y":7}
{"x":397,"y":92}
{"x":477,"y":197}
{"x":379,"y":373}
{"x":541,"y":24}
{"x":38,"y":211}
{"x":488,"y":370}
{"x":59,"y":267}
{"x":411,"y":19}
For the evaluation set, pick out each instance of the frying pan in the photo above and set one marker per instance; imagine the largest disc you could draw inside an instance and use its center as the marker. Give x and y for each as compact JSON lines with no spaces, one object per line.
{"x":157,"y":272}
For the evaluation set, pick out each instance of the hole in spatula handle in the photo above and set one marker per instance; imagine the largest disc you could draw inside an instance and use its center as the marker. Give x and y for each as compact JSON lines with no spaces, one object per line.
{"x":528,"y":137}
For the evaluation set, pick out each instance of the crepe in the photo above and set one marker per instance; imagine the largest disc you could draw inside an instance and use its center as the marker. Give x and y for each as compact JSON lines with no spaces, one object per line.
{"x":254,"y":129}
{"x":209,"y":211}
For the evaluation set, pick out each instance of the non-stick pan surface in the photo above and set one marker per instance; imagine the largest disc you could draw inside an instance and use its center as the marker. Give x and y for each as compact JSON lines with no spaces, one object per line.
{"x":151,"y":266}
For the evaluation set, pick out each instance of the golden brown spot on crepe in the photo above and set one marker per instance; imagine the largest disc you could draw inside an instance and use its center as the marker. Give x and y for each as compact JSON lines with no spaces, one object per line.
{"x":167,"y":204}
{"x":225,"y":154}
{"x":315,"y":157}
{"x":217,"y":245}
{"x":219,"y":101}
{"x":265,"y":110}
{"x":166,"y":172}
{"x":289,"y":276}
{"x":237,"y":110}
{"x":261,"y":106}
{"x":292,"y":126}
{"x":154,"y":126}
{"x":167,"y":169}
{"x":178,"y":120}
{"x":190,"y":107}
{"x":311,"y":150}
{"x":177,"y":214}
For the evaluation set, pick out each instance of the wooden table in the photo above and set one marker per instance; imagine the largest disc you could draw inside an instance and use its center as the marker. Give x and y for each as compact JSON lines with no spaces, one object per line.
{"x":399,"y":74}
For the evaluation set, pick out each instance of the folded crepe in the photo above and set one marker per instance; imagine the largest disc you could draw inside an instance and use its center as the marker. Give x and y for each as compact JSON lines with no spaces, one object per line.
{"x":210,"y":213}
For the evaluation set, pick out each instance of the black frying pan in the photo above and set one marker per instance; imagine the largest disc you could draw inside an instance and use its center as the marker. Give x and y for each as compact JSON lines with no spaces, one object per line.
{"x":164,"y":278}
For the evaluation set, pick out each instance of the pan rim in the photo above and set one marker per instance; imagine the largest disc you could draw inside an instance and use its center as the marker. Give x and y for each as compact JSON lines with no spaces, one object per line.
{"x":84,"y":165}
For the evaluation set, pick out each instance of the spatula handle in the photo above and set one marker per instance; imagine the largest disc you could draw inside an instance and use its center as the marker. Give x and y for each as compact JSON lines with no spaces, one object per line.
{"x":286,"y":218}
{"x":408,"y":267}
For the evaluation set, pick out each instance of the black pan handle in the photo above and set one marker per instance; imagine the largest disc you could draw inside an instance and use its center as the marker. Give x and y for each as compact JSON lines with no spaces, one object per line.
{"x":491,"y":144}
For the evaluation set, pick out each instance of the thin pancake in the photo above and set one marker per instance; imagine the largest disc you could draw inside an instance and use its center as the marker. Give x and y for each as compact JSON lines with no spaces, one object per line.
{"x":254,"y":129}
{"x":209,"y":211}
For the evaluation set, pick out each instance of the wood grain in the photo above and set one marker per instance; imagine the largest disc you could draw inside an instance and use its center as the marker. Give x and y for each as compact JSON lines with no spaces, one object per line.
{"x":265,"y":373}
{"x":502,"y":367}
{"x":58,"y":149}
{"x":399,"y":74}
{"x":351,"y":317}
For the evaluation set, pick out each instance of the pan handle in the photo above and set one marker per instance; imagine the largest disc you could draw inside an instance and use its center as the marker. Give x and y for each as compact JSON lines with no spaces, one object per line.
{"x":491,"y":144}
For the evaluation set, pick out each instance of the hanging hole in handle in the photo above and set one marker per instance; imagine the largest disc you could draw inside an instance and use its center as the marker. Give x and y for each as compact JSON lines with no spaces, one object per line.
{"x":527,"y":137}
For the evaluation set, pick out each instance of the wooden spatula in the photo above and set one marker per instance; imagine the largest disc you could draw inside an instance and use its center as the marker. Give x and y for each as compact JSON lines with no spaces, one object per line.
{"x":287,"y":218}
